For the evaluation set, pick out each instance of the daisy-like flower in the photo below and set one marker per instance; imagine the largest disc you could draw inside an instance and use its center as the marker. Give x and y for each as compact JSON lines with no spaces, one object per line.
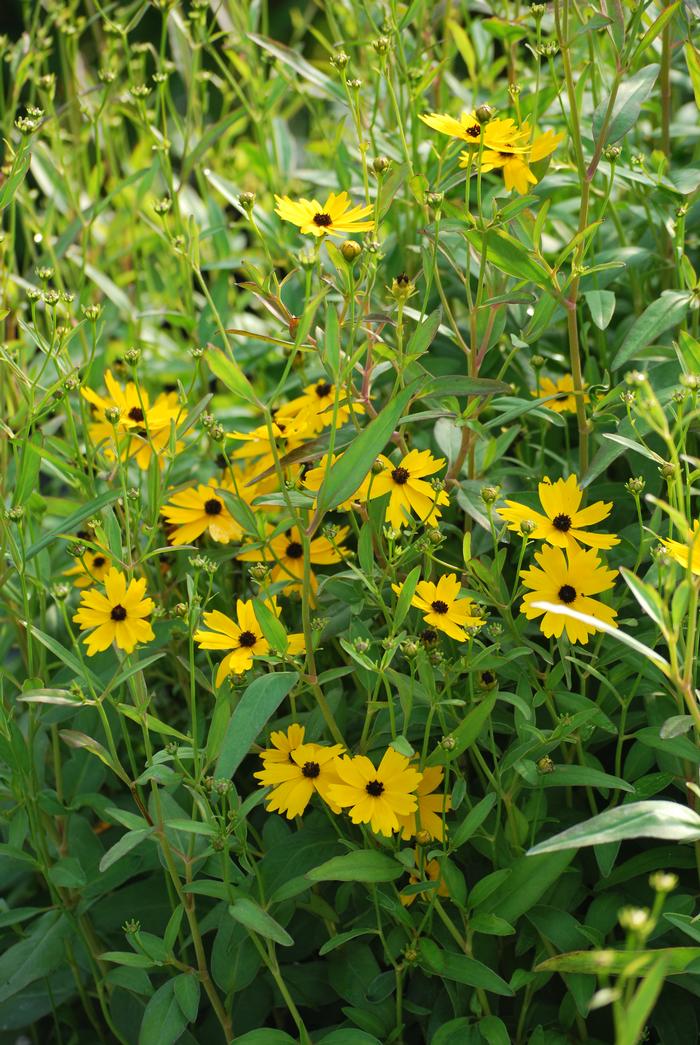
{"x":315,"y":407}
{"x":513,"y":159}
{"x":288,"y":433}
{"x":432,"y":872}
{"x":117,"y":616}
{"x":243,"y":638}
{"x":377,"y":796}
{"x":92,"y":568}
{"x":568,"y":580}
{"x":687,"y":554}
{"x":336,"y":217}
{"x":564,"y":521}
{"x":314,"y":477}
{"x":497,"y":132}
{"x":309,"y":770}
{"x":428,"y":817}
{"x":409,"y":492}
{"x":287,"y":552}
{"x":142,"y":428}
{"x":564,"y":399}
{"x":442,"y":608}
{"x":283,"y":745}
{"x":197,"y":510}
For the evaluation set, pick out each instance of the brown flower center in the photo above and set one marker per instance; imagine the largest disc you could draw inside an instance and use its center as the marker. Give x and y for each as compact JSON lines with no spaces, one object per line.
{"x":213,"y":506}
{"x":439,"y":606}
{"x":136,"y":414}
{"x":247,"y":639}
{"x":475,"y":131}
{"x":323,"y":390}
{"x":294,"y":550}
{"x":310,"y":770}
{"x":98,"y":561}
{"x":118,"y":612}
{"x":400,"y":475}
{"x":567,"y":593}
{"x":429,"y":636}
{"x":322,"y":220}
{"x":374,"y":788}
{"x":562,"y":522}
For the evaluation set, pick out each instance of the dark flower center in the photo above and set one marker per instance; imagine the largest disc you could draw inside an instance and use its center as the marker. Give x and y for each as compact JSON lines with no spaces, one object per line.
{"x":98,"y":561}
{"x":439,"y":606}
{"x":294,"y":550}
{"x":323,"y":220}
{"x":428,"y":636}
{"x":561,"y":396}
{"x":323,"y":390}
{"x":400,"y":475}
{"x":562,"y":522}
{"x":136,"y":413}
{"x":567,"y":594}
{"x":375,"y":788}
{"x":118,"y":612}
{"x":247,"y":639}
{"x":213,"y":506}
{"x":310,"y":770}
{"x":402,"y":279}
{"x":474,"y":131}
{"x":487,"y":677}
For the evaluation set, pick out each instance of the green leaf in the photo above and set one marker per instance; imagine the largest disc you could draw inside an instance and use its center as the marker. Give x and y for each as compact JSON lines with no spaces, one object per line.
{"x":72,"y":522}
{"x":76,"y":739}
{"x":460,"y":968}
{"x":653,"y":31}
{"x":255,"y":919}
{"x":301,"y":67}
{"x":126,"y":843}
{"x":581,"y":776}
{"x":35,"y":956}
{"x":259,"y":702}
{"x":526,"y":885}
{"x":20,"y":166}
{"x":466,"y":733}
{"x":653,"y":819}
{"x":187,"y":994}
{"x":128,"y":958}
{"x":423,"y":336}
{"x":638,"y":1009}
{"x":509,"y":255}
{"x":472,"y":821}
{"x":632,"y":94}
{"x":662,"y":314}
{"x":265,"y":1037}
{"x":602,"y":307}
{"x":346,"y":475}
{"x":230,"y":374}
{"x":403,"y":602}
{"x":494,"y":1030}
{"x":647,"y":597}
{"x":358,"y":866}
{"x":341,"y":938}
{"x":460,"y":385}
{"x":163,"y":1020}
{"x":613,"y":962}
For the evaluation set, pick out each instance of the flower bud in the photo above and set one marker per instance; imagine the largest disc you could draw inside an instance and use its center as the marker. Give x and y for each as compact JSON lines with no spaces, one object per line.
{"x":434,"y":199}
{"x":351,"y":250}
{"x":537,"y":362}
{"x":448,"y":743}
{"x":484,"y":113}
{"x":132,"y":355}
{"x":112,"y":415}
{"x":355,"y":84}
{"x":381,"y":45}
{"x":91,"y":312}
{"x":635,"y":377}
{"x":527,"y":527}
{"x":339,"y":60}
{"x":612,"y":153}
{"x":634,"y":919}
{"x":667,"y":470}
{"x":409,"y":648}
{"x":247,"y":201}
{"x":545,"y":765}
{"x":361,"y":645}
{"x":691,"y":381}
{"x":489,"y":494}
{"x":381,"y":164}
{"x":258,"y":571}
{"x":410,"y":955}
{"x":628,"y":398}
{"x":423,"y":837}
{"x":163,"y":205}
{"x":635,"y":485}
{"x":663,"y":881}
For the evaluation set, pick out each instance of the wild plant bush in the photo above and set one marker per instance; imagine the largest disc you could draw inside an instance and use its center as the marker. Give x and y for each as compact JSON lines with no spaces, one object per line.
{"x":350,"y":557}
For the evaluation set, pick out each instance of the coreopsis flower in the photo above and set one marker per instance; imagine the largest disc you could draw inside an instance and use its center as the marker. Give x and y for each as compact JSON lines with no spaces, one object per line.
{"x":117,"y":616}
{"x":309,"y":769}
{"x":568,"y":580}
{"x":91,"y":568}
{"x":686,"y":554}
{"x":562,"y":391}
{"x":429,"y":815}
{"x":283,"y":744}
{"x":314,"y":477}
{"x":262,"y":446}
{"x":141,"y":428}
{"x":336,"y":217}
{"x":315,"y":407}
{"x":408,"y":490}
{"x":243,"y":638}
{"x":564,"y":521}
{"x":197,"y":510}
{"x":442,"y":608}
{"x":468,"y":128}
{"x":377,"y":796}
{"x":287,"y":552}
{"x":513,"y":159}
{"x":432,"y":872}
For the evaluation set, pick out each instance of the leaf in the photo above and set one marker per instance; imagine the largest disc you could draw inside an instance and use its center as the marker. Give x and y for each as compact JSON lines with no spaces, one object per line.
{"x":526,"y":885}
{"x":602,"y":307}
{"x":652,"y":819}
{"x":662,"y":314}
{"x":72,"y":522}
{"x":128,"y":958}
{"x":187,"y":994}
{"x":582,"y":776}
{"x":20,"y":166}
{"x":255,"y":919}
{"x":472,"y":821}
{"x":459,"y":385}
{"x":612,"y":962}
{"x":631,"y":95}
{"x":653,"y":31}
{"x":647,"y":597}
{"x":358,"y":866}
{"x":341,"y":938}
{"x":163,"y":1020}
{"x":638,"y":1009}
{"x":510,"y":256}
{"x":460,"y":968}
{"x":466,"y":733}
{"x":259,"y":702}
{"x":347,"y":474}
{"x":230,"y":374}
{"x":403,"y":602}
{"x":424,"y":335}
{"x":301,"y":67}
{"x":35,"y":956}
{"x":76,"y":739}
{"x":126,"y":843}
{"x":265,"y":1037}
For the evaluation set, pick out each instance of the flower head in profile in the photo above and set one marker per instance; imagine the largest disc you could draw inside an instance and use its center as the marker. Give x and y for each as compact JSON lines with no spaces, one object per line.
{"x":431,"y":806}
{"x":287,"y":552}
{"x":377,"y":796}
{"x":142,"y":428}
{"x":283,"y":744}
{"x":432,"y":872}
{"x":442,"y":607}
{"x":564,"y":522}
{"x":563,"y":399}
{"x":335,"y":217}
{"x":408,"y":491}
{"x":310,"y":769}
{"x":91,"y":568}
{"x":568,"y":580}
{"x":687,"y":554}
{"x":117,"y":616}
{"x":197,"y":510}
{"x":243,"y":638}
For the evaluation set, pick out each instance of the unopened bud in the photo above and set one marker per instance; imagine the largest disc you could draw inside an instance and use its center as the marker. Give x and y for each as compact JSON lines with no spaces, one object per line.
{"x":545,"y":765}
{"x":448,"y":743}
{"x":381,"y":164}
{"x":434,"y":199}
{"x":663,"y":881}
{"x":351,"y":250}
{"x":667,"y":470}
{"x":489,"y":494}
{"x":423,"y":837}
{"x":484,"y":113}
{"x":634,"y":919}
{"x":527,"y":527}
{"x":339,"y":60}
{"x":247,"y":201}
{"x":635,"y":485}
{"x":112,"y":415}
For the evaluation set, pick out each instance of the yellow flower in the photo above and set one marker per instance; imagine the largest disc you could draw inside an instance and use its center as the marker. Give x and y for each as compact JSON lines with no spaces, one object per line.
{"x":141,"y":430}
{"x":336,"y":217}
{"x":117,"y":616}
{"x":92,"y":568}
{"x":288,"y":434}
{"x":562,"y":391}
{"x":569,"y":584}
{"x":432,"y":872}
{"x":513,"y":157}
{"x":309,"y":769}
{"x":687,"y":554}
{"x":287,"y":552}
{"x":377,"y":796}
{"x":496,"y":132}
{"x":442,"y":608}
{"x":283,"y":744}
{"x":408,"y":490}
{"x":197,"y":509}
{"x":243,"y":637}
{"x":314,"y":477}
{"x":564,"y":521}
{"x":430,"y":807}
{"x":315,"y":407}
